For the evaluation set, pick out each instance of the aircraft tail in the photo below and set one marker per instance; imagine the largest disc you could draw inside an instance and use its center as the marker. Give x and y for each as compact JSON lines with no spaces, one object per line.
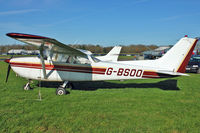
{"x":112,"y":55}
{"x":177,"y":58}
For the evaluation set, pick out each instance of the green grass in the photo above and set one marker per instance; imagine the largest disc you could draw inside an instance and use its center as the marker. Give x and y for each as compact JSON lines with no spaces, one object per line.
{"x":153,"y":105}
{"x":5,"y":56}
{"x":8,"y":56}
{"x":121,"y":58}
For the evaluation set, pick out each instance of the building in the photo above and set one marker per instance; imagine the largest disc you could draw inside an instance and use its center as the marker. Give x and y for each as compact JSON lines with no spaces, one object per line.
{"x":156,"y":53}
{"x":22,"y":52}
{"x":16,"y":52}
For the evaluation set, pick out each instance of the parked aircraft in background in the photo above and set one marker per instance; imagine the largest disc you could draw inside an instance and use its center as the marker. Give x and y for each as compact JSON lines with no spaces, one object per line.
{"x":111,"y":56}
{"x":59,"y":62}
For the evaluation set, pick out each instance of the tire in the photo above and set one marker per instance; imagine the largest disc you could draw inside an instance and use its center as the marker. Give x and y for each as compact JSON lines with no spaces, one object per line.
{"x":60,"y":91}
{"x":27,"y":87}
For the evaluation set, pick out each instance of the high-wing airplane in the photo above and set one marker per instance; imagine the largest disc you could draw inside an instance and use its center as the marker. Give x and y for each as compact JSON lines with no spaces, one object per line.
{"x":59,"y":62}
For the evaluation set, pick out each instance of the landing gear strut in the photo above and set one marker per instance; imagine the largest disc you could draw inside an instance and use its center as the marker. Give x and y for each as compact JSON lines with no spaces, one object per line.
{"x":27,"y":86}
{"x":62,"y":89}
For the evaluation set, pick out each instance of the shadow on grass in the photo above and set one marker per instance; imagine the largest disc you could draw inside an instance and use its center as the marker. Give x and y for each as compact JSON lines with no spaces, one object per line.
{"x":92,"y":86}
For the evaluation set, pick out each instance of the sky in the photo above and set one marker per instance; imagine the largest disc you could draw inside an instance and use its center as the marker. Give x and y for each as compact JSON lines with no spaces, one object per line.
{"x":102,"y":22}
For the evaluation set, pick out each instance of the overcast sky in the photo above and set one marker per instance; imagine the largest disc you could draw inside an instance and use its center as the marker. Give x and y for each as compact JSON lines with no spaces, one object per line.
{"x":103,"y":22}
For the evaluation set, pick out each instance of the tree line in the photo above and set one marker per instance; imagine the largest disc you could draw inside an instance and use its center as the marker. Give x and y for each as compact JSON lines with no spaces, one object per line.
{"x":93,"y":48}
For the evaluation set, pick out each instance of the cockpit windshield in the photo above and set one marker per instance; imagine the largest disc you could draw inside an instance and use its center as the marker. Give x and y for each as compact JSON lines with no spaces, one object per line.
{"x":95,"y":59}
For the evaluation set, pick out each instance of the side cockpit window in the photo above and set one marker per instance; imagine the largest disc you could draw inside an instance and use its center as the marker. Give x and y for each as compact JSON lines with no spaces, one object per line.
{"x":70,"y":59}
{"x":82,"y":60}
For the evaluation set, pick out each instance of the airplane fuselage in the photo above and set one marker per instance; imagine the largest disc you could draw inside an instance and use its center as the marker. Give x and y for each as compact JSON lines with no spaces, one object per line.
{"x":31,"y":68}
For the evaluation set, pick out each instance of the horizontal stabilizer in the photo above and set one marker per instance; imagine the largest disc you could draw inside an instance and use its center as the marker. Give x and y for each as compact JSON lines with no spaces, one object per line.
{"x":172,"y":73}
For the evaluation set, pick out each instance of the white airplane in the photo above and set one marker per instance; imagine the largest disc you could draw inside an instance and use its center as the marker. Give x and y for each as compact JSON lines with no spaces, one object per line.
{"x":59,"y":62}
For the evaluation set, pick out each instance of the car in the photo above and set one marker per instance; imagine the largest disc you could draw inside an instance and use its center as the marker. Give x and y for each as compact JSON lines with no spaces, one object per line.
{"x":194,"y":65}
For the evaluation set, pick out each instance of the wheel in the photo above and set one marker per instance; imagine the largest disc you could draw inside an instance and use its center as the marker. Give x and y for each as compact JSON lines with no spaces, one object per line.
{"x":198,"y":71}
{"x":60,"y":91}
{"x":27,"y":87}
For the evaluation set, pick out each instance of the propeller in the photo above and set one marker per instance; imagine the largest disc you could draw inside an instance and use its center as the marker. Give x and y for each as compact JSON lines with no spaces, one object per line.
{"x":9,"y":67}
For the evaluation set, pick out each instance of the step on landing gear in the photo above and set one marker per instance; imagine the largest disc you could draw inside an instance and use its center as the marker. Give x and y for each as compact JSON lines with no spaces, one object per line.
{"x":62,"y":89}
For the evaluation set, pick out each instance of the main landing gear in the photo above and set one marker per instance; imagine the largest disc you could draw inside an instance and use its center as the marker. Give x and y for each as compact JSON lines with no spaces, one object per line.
{"x":61,"y":90}
{"x":64,"y":88}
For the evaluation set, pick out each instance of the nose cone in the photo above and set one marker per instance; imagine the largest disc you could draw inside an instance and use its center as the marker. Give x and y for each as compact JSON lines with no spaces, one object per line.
{"x":7,"y":60}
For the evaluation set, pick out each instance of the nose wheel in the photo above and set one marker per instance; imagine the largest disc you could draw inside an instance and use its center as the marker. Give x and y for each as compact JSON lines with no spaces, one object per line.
{"x":27,"y":86}
{"x":64,"y":88}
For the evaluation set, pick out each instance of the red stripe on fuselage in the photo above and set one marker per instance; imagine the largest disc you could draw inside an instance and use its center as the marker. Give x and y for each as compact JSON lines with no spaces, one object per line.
{"x":61,"y":68}
{"x":150,"y":74}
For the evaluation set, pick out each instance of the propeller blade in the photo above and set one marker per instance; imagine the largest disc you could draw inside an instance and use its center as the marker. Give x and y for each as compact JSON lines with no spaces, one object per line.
{"x":8,"y":72}
{"x":9,"y":67}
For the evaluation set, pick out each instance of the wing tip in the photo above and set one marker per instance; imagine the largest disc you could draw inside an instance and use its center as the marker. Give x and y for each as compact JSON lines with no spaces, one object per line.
{"x":28,"y":36}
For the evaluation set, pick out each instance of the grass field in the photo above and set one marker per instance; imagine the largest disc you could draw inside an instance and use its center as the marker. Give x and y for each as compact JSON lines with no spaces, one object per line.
{"x":121,"y":58}
{"x":126,"y":58}
{"x":153,"y":105}
{"x":9,"y":56}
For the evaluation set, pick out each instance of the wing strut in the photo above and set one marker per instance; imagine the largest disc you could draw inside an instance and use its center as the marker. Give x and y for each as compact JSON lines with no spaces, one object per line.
{"x":42,"y":60}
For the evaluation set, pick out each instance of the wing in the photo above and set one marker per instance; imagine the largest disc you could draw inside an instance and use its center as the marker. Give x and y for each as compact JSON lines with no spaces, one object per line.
{"x":47,"y":43}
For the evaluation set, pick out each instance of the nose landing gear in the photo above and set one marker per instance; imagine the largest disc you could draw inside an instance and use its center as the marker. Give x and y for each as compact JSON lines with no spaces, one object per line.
{"x":27,"y":86}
